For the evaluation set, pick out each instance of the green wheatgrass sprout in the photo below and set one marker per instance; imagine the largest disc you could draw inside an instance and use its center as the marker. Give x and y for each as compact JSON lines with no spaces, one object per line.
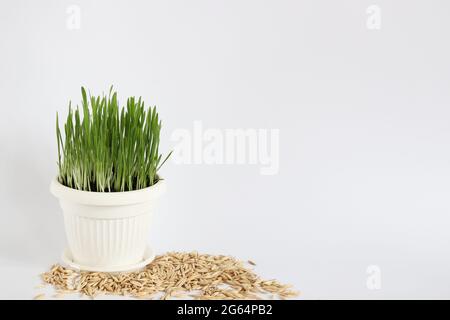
{"x":107,"y":148}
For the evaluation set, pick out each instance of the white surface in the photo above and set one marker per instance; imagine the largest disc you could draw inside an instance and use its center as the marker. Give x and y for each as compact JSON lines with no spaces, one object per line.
{"x":364,"y":133}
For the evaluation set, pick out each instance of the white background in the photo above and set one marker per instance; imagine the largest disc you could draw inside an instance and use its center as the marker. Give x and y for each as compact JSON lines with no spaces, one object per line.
{"x":364,"y":119}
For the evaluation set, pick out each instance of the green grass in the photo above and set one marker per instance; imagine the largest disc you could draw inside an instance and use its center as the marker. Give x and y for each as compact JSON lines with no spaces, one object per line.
{"x":106,"y":148}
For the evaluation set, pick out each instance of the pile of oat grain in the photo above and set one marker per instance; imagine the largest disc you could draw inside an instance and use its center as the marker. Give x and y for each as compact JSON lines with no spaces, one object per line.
{"x":175,"y":274}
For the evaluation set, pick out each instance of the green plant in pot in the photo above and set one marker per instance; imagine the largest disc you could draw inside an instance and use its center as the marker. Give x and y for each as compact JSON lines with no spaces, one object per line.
{"x":108,"y":183}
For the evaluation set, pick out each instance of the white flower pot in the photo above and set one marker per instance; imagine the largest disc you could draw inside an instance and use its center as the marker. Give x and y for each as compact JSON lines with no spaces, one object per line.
{"x":107,"y":231}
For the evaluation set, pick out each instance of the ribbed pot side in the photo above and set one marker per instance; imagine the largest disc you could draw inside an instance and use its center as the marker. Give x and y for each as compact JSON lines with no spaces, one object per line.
{"x":107,"y":230}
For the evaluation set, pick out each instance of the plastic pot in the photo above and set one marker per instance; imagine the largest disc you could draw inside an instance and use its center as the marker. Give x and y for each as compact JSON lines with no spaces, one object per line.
{"x":107,"y":231}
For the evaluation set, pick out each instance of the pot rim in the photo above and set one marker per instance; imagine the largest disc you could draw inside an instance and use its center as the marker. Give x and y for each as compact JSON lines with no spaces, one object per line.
{"x":118,"y":198}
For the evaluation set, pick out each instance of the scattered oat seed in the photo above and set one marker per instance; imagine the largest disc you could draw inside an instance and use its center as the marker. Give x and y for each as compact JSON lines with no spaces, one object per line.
{"x":172,"y":275}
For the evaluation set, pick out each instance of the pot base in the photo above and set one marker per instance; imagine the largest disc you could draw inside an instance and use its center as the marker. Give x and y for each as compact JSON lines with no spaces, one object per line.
{"x":149,"y":255}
